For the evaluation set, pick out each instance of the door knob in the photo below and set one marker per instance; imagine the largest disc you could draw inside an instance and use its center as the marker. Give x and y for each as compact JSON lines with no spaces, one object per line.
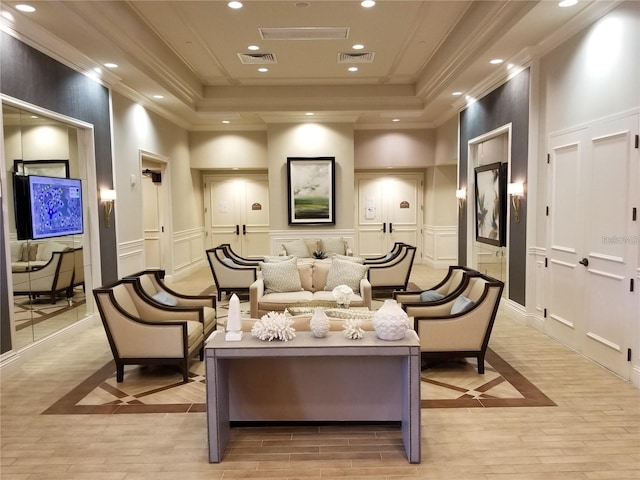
{"x":584,"y":261}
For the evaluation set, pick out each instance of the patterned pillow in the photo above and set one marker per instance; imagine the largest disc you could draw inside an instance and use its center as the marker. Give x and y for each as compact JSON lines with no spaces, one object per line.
{"x":344,"y":272}
{"x":165,"y":298}
{"x":281,"y":276}
{"x":296,"y":248}
{"x":333,"y":246}
{"x":350,"y":259}
{"x":430,"y":296}
{"x":462,"y":304}
{"x":276,"y":258}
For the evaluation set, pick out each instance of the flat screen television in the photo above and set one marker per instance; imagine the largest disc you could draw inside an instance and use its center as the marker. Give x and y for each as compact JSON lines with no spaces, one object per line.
{"x":47,"y":206}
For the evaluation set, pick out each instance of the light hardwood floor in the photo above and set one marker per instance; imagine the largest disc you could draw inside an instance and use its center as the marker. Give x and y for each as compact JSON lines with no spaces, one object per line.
{"x":592,"y":433}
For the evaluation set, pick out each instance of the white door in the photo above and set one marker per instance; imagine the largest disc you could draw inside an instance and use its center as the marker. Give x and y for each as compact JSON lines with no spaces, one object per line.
{"x":237,"y":212}
{"x":152,"y":223}
{"x":388,"y":210}
{"x":592,"y":255}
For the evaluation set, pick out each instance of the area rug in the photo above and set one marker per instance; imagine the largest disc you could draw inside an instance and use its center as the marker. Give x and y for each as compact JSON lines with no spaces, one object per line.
{"x":157,"y":389}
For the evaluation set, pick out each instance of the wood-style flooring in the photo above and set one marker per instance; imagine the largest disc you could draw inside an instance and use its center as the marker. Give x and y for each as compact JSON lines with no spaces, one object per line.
{"x":592,"y":433}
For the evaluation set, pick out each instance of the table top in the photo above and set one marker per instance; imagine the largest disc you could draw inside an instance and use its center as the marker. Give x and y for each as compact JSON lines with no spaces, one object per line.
{"x":305,"y":344}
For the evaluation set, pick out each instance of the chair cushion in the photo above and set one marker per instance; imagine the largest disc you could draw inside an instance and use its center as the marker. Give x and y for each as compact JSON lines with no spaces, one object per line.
{"x":281,"y":276}
{"x":461,"y":304}
{"x":430,"y":296}
{"x":296,"y":248}
{"x":165,"y":298}
{"x":344,"y":272}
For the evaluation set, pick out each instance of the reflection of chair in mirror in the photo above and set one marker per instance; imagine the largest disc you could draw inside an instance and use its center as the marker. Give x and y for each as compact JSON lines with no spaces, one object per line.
{"x":148,"y":335}
{"x":78,"y":269}
{"x":228,"y":275}
{"x":52,"y":279}
{"x":152,"y":288}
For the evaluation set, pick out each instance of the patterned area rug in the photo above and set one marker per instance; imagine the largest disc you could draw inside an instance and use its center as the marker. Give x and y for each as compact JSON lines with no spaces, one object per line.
{"x":158,"y":389}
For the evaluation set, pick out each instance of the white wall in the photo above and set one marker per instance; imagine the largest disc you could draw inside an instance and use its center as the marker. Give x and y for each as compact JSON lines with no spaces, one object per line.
{"x":226,"y":150}
{"x":440,"y":236}
{"x":376,"y":149}
{"x":446,"y":142}
{"x":136,"y":129}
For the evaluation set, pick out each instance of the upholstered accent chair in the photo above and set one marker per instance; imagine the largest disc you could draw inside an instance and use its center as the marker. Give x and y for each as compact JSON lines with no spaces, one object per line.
{"x":242,"y":261}
{"x":228,"y":276}
{"x":394,"y":273}
{"x":152,"y":289}
{"x":460,"y":326}
{"x":142,"y":334}
{"x":51,"y":279}
{"x":456,"y":280}
{"x":391,"y":254}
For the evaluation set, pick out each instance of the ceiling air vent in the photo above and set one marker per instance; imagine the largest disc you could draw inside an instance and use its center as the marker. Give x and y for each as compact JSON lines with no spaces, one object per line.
{"x":305,"y":33}
{"x":356,"y":57}
{"x":257,"y":58}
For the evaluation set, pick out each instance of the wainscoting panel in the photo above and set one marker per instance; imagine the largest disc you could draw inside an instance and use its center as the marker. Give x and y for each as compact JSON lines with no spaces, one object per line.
{"x":188,"y":250}
{"x":130,"y":257}
{"x":439,"y":246}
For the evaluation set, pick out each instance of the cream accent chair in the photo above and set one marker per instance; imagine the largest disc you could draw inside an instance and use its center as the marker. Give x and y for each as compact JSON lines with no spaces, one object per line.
{"x":451,"y":286}
{"x":245,"y":262}
{"x":149,"y":335}
{"x":393,"y":274}
{"x":395,"y":250}
{"x":465,"y":334}
{"x":51,"y":279}
{"x":151,"y":285}
{"x":229,"y":276}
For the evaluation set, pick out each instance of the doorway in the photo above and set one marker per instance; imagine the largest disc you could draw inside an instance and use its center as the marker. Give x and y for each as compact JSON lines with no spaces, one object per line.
{"x":154,"y":182}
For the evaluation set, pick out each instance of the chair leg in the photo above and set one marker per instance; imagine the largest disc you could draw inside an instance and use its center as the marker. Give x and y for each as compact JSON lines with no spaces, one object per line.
{"x":185,"y":371}
{"x":201,"y":354}
{"x":119,"y":373}
{"x":480,"y":364}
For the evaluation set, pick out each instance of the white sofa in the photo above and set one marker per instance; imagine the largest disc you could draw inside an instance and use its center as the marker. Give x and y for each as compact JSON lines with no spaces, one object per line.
{"x":306,"y":247}
{"x":302,"y":282}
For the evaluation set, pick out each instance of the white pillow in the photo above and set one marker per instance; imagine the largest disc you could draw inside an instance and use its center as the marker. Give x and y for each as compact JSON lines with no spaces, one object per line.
{"x":350,"y":259}
{"x":46,"y":249}
{"x":344,"y":272}
{"x":277,"y":258}
{"x":281,"y":277}
{"x":165,"y":298}
{"x":296,"y":248}
{"x":332,"y":246}
{"x":430,"y":296}
{"x":462,"y":304}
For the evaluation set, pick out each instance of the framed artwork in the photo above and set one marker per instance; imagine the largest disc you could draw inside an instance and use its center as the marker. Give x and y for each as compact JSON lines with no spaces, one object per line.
{"x":491,"y":204}
{"x":311,"y":183}
{"x":46,"y":168}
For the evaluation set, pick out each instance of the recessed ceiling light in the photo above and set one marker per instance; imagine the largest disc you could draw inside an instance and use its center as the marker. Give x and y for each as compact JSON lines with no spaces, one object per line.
{"x":353,"y":69}
{"x":111,"y":65}
{"x":456,"y":94}
{"x":253,"y":47}
{"x":263,"y":69}
{"x":158,"y":96}
{"x":226,"y":121}
{"x":496,"y":61}
{"x":234,"y":5}
{"x":309,"y":114}
{"x":97,"y":70}
{"x":34,"y":116}
{"x":367,"y":3}
{"x":395,"y":120}
{"x":358,"y":46}
{"x":25,"y":8}
{"x":567,"y":3}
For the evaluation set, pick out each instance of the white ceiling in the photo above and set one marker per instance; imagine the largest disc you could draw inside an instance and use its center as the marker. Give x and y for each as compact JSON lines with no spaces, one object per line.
{"x":187,"y":51}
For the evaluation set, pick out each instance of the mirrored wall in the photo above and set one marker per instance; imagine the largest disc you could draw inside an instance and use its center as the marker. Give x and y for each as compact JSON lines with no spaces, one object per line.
{"x":50,"y":261}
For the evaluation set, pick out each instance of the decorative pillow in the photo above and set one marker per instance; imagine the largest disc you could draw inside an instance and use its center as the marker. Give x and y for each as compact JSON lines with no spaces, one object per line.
{"x":46,"y":249}
{"x":277,"y":258}
{"x":29,"y":252}
{"x":462,"y":304}
{"x":296,"y":248}
{"x":165,"y":298}
{"x":430,"y":296}
{"x":334,"y":246}
{"x":344,"y":272}
{"x":228,"y":262}
{"x":349,"y":259}
{"x":281,"y":276}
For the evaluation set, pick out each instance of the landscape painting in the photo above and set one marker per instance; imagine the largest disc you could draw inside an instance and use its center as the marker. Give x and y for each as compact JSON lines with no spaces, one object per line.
{"x":311,"y":183}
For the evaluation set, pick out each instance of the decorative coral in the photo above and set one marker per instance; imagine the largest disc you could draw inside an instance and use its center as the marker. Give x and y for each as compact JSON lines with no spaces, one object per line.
{"x":274,"y":326}
{"x":342,"y":294}
{"x":352,"y":329}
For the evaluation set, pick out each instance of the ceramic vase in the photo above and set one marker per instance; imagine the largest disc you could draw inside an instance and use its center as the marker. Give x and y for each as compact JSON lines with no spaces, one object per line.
{"x":319,"y":324}
{"x":390,"y":322}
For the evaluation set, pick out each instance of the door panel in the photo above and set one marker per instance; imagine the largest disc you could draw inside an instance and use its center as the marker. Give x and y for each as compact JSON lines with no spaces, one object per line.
{"x":255,"y":221}
{"x":403,"y":209}
{"x":223,"y":213}
{"x":371,"y":217}
{"x":151,"y":223}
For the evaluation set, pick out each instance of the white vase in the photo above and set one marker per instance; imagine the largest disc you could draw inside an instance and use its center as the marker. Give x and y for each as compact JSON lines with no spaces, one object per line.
{"x":319,"y":324}
{"x":390,"y":322}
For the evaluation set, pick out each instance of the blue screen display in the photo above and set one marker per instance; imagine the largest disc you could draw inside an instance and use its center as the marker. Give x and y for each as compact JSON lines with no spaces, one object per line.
{"x":56,"y":206}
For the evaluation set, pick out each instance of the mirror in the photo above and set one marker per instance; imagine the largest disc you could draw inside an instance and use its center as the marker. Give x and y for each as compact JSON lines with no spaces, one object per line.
{"x":48,"y":274}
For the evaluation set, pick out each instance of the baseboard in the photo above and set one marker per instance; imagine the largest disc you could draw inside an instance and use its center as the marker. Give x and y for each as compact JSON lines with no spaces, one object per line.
{"x":635,"y":376}
{"x":514,"y":311}
{"x":185,"y":272}
{"x":436,"y":264}
{"x":12,"y":361}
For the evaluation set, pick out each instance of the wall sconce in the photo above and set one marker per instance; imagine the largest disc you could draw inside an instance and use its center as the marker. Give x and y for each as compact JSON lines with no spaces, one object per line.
{"x":107,"y":196}
{"x":461,"y":195}
{"x":516,"y":190}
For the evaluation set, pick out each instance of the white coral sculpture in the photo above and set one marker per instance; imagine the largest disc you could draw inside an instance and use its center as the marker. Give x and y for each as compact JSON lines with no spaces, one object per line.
{"x":342,"y":294}
{"x":352,"y":329}
{"x":274,"y":326}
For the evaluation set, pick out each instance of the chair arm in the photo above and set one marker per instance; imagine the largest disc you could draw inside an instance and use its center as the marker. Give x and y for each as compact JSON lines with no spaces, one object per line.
{"x":407,"y":297}
{"x":429,"y":310}
{"x":256,"y":292}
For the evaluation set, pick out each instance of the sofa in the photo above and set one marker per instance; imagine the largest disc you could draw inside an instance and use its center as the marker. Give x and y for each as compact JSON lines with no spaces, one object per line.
{"x":310,"y":247}
{"x":307,"y":282}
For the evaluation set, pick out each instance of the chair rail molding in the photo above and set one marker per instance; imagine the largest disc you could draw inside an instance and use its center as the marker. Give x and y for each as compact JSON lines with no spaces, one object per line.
{"x":188,"y":252}
{"x":439,"y":245}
